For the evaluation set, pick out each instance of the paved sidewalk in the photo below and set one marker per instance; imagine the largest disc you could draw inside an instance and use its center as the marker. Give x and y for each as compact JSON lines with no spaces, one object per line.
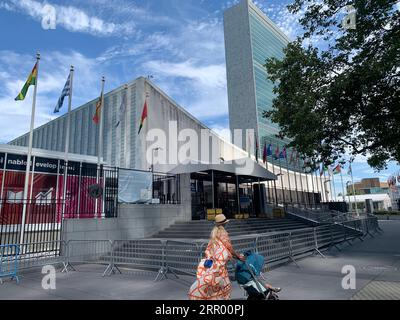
{"x":377,"y":262}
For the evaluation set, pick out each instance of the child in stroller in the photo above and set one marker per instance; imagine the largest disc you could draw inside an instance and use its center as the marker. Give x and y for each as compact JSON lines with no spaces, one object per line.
{"x":247,"y":275}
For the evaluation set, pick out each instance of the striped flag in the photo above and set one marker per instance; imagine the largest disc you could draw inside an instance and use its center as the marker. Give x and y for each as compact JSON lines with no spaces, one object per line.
{"x":144,"y":116}
{"x":66,"y":91}
{"x":31,"y":81}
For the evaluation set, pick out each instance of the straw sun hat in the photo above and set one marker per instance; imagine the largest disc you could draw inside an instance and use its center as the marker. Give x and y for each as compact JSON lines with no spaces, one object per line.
{"x":220,"y":220}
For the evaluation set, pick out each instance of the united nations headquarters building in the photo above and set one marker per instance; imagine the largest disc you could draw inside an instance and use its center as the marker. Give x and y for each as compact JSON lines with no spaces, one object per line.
{"x":158,"y":165}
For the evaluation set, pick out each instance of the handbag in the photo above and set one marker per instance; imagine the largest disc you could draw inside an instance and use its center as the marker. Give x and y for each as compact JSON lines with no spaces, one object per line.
{"x":208,"y":263}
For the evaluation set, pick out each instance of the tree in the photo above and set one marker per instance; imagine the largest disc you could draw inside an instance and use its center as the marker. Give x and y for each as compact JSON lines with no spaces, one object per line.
{"x":337,"y":89}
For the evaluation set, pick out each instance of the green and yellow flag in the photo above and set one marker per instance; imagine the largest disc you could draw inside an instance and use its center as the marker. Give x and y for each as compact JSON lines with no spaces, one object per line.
{"x":30,"y":82}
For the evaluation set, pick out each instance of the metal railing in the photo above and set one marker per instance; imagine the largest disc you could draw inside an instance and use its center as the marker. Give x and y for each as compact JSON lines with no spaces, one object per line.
{"x":179,"y":257}
{"x":317,"y":216}
{"x":9,"y":262}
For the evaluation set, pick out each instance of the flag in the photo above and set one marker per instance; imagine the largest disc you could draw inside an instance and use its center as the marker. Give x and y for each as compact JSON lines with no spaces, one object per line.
{"x":265,"y":153}
{"x":144,"y":116}
{"x":66,"y":91}
{"x":32,"y":78}
{"x":269,"y":150}
{"x":283,"y":154}
{"x":96,"y":117}
{"x":350,"y":171}
{"x":277,"y":153}
{"x":122,"y":109}
{"x":337,"y":169}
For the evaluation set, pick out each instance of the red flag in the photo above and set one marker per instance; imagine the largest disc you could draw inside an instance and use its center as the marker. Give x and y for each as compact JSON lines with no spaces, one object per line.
{"x":265,"y":153}
{"x":144,"y":116}
{"x":96,"y":117}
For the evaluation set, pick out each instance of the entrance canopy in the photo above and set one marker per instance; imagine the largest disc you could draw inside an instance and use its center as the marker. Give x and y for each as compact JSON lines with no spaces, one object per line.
{"x":245,"y":167}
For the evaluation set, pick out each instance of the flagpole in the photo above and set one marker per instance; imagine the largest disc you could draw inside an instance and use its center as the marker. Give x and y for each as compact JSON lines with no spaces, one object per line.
{"x":319,"y":178}
{"x":354,"y":191}
{"x":280,"y":172}
{"x":273,"y":171}
{"x":295,"y":178}
{"x":341,"y":178}
{"x":100,"y":146}
{"x":71,"y":74}
{"x":29,"y":156}
{"x":301,"y":180}
{"x":312,"y":184}
{"x":287,"y":170}
{"x":334,"y":186}
{"x":124,"y":100}
{"x":327,"y":190}
{"x":316,"y":182}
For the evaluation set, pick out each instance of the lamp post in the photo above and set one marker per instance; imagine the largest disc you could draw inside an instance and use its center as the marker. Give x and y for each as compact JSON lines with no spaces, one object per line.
{"x":347,"y":190}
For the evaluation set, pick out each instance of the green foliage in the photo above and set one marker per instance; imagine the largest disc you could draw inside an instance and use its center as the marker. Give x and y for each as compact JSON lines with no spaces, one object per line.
{"x":344,"y":97}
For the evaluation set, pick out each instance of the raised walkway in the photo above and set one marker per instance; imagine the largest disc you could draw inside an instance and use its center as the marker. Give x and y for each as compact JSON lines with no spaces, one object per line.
{"x":376,"y":260}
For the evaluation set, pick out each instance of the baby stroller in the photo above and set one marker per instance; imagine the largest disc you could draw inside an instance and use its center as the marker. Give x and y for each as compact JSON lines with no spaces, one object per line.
{"x":247,"y":275}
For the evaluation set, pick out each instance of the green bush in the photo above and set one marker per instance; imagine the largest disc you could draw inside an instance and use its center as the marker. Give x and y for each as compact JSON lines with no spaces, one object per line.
{"x":384,"y":212}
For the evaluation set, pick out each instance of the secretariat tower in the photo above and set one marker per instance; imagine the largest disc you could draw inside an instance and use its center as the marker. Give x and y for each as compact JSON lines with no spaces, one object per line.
{"x":250,"y":39}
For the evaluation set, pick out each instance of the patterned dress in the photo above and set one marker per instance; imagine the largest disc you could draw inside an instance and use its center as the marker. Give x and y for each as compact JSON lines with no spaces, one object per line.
{"x":214,"y":283}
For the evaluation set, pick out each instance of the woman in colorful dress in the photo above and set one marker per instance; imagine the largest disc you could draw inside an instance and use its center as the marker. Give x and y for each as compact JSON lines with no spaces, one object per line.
{"x":213,"y":282}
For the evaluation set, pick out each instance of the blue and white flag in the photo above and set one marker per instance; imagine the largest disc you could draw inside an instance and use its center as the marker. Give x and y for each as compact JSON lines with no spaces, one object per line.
{"x":122,"y":109}
{"x":66,"y":91}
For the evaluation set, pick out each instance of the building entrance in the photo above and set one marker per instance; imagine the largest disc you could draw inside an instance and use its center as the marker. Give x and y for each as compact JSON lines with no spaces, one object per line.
{"x":233,"y":194}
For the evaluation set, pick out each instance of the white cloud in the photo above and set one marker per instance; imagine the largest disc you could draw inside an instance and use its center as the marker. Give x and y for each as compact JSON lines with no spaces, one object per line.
{"x":213,"y":76}
{"x":71,"y":18}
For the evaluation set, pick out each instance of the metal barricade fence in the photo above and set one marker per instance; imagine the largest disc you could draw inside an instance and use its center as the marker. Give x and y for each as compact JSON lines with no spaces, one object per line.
{"x":178,"y":256}
{"x":140,"y":254}
{"x":183,"y":257}
{"x":9,"y":255}
{"x":302,"y":241}
{"x":49,"y":253}
{"x":89,"y":252}
{"x":324,"y":236}
{"x":275,"y":247}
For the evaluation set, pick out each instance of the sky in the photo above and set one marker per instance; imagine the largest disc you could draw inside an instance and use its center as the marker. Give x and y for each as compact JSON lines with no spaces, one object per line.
{"x":180,"y":43}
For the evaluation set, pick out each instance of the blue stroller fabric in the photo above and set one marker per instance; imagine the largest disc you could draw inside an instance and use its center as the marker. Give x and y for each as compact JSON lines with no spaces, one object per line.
{"x":255,"y":262}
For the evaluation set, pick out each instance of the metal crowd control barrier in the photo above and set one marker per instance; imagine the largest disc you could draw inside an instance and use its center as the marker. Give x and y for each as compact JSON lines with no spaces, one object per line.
{"x":50,"y":253}
{"x":145,"y":254}
{"x":89,"y":252}
{"x":182,"y":257}
{"x":275,"y":247}
{"x":9,"y":255}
